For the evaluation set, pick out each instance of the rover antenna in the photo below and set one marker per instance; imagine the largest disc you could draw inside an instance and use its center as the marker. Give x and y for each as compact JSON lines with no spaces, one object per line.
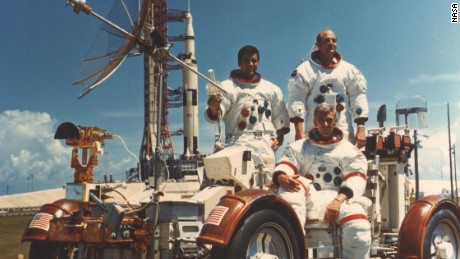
{"x":414,"y":112}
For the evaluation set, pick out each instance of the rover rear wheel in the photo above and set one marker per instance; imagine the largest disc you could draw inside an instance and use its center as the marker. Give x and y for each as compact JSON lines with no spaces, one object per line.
{"x":442,"y":237}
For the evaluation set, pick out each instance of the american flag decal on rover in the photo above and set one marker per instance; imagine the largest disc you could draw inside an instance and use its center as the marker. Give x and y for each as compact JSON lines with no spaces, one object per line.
{"x":42,"y":221}
{"x":216,"y":215}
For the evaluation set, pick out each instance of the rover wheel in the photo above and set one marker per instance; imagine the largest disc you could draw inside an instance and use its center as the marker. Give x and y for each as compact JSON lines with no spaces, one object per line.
{"x":442,"y":238}
{"x":265,"y":232}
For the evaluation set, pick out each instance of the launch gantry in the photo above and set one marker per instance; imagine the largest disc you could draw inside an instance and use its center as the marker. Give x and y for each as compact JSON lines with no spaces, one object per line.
{"x":157,"y":94}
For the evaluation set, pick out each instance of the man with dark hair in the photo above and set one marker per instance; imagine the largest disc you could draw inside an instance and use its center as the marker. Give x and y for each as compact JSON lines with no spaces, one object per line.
{"x":324,"y":177}
{"x":253,"y":110}
{"x":326,"y":77}
{"x":248,"y":49}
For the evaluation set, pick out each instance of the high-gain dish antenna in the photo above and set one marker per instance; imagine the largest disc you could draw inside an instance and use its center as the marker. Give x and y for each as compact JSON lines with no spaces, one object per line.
{"x":411,"y":111}
{"x":117,"y":36}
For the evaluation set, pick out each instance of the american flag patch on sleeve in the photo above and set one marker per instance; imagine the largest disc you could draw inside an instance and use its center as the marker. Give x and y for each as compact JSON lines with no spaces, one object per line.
{"x":216,"y":215}
{"x":42,"y":221}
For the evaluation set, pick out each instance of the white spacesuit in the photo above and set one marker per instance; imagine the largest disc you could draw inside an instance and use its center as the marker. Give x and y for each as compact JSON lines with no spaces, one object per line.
{"x":341,"y":85}
{"x":253,"y":111}
{"x":326,"y":169}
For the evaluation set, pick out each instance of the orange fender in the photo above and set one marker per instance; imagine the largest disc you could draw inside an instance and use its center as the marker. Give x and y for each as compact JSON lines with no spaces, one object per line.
{"x":39,"y":229}
{"x":413,"y":227}
{"x":233,"y":209}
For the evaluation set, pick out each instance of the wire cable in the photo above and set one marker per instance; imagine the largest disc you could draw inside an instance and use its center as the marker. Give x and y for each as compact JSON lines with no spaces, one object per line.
{"x":135,"y":157}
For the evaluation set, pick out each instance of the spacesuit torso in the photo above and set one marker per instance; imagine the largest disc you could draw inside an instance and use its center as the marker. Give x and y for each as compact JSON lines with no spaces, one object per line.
{"x":253,"y":111}
{"x":253,"y":107}
{"x":343,"y":86}
{"x":329,"y":165}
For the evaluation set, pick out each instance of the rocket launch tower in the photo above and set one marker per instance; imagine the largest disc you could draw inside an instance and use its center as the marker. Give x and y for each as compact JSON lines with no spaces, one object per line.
{"x":158,"y":97}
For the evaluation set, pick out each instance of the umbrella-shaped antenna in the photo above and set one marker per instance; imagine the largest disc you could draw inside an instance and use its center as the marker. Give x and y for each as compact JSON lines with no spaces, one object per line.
{"x":411,"y":111}
{"x":118,"y":34}
{"x":116,"y":37}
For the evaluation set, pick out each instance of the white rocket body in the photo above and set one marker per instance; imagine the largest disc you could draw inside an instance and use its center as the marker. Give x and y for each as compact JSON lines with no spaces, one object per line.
{"x":190,"y":88}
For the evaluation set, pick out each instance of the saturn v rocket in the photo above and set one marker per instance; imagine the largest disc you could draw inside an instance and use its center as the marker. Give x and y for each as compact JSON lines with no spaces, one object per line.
{"x":190,"y":92}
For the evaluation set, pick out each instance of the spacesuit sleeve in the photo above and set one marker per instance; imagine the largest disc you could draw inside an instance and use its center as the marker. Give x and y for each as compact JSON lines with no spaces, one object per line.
{"x":298,"y":92}
{"x":357,"y":87}
{"x":280,"y":118}
{"x":288,"y":164}
{"x":292,"y":160}
{"x":355,"y":173}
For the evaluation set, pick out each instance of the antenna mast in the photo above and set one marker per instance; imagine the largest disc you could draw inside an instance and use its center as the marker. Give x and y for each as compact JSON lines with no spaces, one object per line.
{"x":450,"y":155}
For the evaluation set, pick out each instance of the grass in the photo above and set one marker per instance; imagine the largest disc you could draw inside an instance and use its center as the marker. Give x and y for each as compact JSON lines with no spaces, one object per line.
{"x":11,"y":229}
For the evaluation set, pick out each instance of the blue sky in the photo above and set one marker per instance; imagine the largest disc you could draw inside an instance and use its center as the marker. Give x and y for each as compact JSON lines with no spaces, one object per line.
{"x":402,"y":47}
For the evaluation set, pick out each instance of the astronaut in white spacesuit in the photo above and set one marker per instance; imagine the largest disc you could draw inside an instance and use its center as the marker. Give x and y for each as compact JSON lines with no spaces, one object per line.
{"x":324,"y":177}
{"x":253,"y":110}
{"x":326,"y":77}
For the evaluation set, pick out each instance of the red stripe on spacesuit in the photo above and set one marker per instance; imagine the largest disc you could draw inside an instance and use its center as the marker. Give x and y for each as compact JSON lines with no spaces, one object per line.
{"x":293,"y":167}
{"x":355,"y":174}
{"x":301,"y":184}
{"x":352,"y":217}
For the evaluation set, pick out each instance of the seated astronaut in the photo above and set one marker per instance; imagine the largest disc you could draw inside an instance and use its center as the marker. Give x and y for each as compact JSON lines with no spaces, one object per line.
{"x":253,"y":111}
{"x":324,"y":176}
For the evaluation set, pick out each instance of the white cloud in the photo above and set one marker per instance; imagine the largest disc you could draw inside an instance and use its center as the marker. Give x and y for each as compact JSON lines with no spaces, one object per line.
{"x":28,"y":147}
{"x":426,"y":78}
{"x":433,"y":157}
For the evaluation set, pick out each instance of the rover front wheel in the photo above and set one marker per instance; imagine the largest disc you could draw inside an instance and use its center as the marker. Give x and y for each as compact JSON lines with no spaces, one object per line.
{"x":264,"y":233}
